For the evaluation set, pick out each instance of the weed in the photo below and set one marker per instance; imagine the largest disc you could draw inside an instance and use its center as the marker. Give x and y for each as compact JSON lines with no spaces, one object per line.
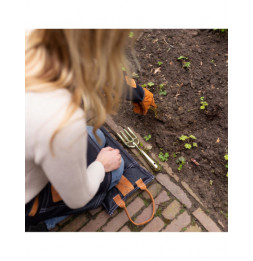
{"x":211,"y":182}
{"x":163,"y":156}
{"x":203,"y":103}
{"x":158,"y":212}
{"x":135,"y":75}
{"x":131,"y":34}
{"x":174,"y":155}
{"x":183,"y":137}
{"x":144,"y":85}
{"x":186,"y":64}
{"x":184,"y":228}
{"x":188,"y":146}
{"x":150,"y":84}
{"x":182,"y":211}
{"x":159,"y":63}
{"x":182,"y":58}
{"x":146,"y":202}
{"x":162,"y":91}
{"x":181,"y":162}
{"x":226,"y":158}
{"x":192,"y":137}
{"x":148,"y":137}
{"x":194,"y":144}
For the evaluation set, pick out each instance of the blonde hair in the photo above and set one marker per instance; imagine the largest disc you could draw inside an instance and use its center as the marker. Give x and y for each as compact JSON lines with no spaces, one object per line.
{"x":87,"y":62}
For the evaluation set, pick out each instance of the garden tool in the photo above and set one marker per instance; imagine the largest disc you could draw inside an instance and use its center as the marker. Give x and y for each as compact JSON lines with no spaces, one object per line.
{"x":130,"y":140}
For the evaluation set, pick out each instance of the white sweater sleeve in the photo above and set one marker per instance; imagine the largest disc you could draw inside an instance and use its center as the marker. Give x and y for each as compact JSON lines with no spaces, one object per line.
{"x":67,"y":168}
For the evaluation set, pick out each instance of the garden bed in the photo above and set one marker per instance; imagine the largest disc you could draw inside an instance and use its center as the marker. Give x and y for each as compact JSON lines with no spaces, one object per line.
{"x":179,"y":100}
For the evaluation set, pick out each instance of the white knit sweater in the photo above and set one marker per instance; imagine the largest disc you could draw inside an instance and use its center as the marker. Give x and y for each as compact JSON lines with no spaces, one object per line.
{"x":67,"y":170}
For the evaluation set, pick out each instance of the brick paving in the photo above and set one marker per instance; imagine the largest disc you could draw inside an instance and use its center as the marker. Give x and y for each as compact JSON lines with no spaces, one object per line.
{"x":177,"y":207}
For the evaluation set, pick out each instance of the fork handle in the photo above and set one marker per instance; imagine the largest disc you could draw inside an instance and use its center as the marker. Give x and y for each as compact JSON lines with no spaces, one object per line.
{"x":148,"y":159}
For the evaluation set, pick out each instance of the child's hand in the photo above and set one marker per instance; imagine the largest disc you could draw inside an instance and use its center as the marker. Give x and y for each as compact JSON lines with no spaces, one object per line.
{"x":110,"y":158}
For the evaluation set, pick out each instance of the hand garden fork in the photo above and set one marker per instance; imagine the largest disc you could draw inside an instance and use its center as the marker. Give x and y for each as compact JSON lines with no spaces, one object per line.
{"x":131,"y":141}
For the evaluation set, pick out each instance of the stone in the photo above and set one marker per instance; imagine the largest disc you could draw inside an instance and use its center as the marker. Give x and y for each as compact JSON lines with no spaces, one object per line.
{"x":172,"y":210}
{"x":125,"y":229}
{"x":174,"y":189}
{"x":206,"y":221}
{"x":154,"y":189}
{"x":75,"y":224}
{"x":154,"y":226}
{"x":179,"y":223}
{"x":194,"y":228}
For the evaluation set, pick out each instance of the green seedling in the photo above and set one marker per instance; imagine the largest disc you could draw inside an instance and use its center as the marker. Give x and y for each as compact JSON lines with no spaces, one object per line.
{"x":188,"y":146}
{"x":226,"y":158}
{"x":183,"y":137}
{"x":159,"y":63}
{"x":211,"y":182}
{"x":150,"y":84}
{"x":163,"y":156}
{"x":131,"y":34}
{"x":186,"y":64}
{"x":203,"y":103}
{"x":194,"y":144}
{"x":174,"y":155}
{"x":162,"y":91}
{"x":181,"y":162}
{"x":182,"y":58}
{"x":192,"y":137}
{"x":148,"y":137}
{"x":144,"y":85}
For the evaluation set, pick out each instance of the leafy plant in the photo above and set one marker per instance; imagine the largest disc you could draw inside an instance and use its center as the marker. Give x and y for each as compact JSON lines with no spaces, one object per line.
{"x":211,"y":182}
{"x":181,"y":162}
{"x":226,"y":158}
{"x":162,"y":91}
{"x":148,"y":137}
{"x":159,"y":63}
{"x":192,"y":137}
{"x":203,"y":103}
{"x":188,"y":146}
{"x":135,"y":75}
{"x":151,"y":84}
{"x":186,"y":64}
{"x":131,"y":34}
{"x":174,"y":155}
{"x":182,"y":57}
{"x":163,"y":156}
{"x":183,"y":137}
{"x":144,"y":85}
{"x":194,"y":144}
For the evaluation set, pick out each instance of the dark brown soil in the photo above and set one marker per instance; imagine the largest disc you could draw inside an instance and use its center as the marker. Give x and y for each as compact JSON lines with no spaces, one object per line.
{"x":179,"y":110}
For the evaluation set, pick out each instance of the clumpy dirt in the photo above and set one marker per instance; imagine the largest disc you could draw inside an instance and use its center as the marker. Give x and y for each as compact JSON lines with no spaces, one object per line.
{"x":179,"y":110}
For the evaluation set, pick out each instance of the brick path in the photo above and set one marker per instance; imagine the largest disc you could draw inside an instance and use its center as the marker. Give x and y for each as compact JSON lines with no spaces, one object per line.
{"x":178,"y":209}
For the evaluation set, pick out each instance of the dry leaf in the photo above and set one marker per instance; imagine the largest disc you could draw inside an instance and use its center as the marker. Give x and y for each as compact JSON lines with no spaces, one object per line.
{"x":171,"y":63}
{"x":218,"y":140}
{"x":157,"y":70}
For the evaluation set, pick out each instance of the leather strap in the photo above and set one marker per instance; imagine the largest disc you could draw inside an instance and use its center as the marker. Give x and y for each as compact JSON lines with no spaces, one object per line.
{"x":118,"y":200}
{"x":55,"y":196}
{"x":35,"y":207}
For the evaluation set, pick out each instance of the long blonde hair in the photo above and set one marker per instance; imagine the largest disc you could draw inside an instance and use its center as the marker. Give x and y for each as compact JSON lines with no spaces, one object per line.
{"x":87,"y":62}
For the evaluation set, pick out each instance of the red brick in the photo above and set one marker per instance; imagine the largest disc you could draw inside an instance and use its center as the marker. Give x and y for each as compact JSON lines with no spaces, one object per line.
{"x":174,"y":189}
{"x":95,"y":224}
{"x":147,"y":212}
{"x":154,"y":189}
{"x":117,"y":222}
{"x":206,"y":221}
{"x":154,"y":226}
{"x":93,"y":212}
{"x":75,"y":224}
{"x":125,"y":229}
{"x":177,"y":224}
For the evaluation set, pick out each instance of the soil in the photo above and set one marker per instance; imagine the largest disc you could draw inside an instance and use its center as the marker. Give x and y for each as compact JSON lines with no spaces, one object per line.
{"x":179,"y":110}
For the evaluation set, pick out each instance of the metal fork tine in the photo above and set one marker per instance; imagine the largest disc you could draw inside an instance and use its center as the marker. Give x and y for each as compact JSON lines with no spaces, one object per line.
{"x":124,"y":136}
{"x":131,"y":138}
{"x":134,"y":136}
{"x":121,"y":138}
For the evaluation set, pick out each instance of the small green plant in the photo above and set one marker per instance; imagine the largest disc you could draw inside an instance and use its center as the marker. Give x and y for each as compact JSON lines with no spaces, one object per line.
{"x":148,"y":137}
{"x":226,"y":158}
{"x":150,"y":84}
{"x":131,"y":34}
{"x":182,"y":58}
{"x":144,"y":85}
{"x":192,"y":137}
{"x":174,"y":155}
{"x":163,"y":156}
{"x":188,"y":146}
{"x":181,"y":162}
{"x":194,"y":144}
{"x":159,"y":63}
{"x":211,"y":182}
{"x":162,"y":91}
{"x":203,"y":103}
{"x":183,"y":137}
{"x":186,"y":64}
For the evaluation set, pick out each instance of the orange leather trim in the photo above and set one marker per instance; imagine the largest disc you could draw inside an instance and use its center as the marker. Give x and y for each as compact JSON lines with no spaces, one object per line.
{"x":124,"y":186}
{"x":55,"y":196}
{"x":130,"y":82}
{"x":118,"y":200}
{"x":35,"y":207}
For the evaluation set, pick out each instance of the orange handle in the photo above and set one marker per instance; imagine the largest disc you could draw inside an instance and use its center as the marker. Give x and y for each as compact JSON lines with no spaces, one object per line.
{"x":118,"y":200}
